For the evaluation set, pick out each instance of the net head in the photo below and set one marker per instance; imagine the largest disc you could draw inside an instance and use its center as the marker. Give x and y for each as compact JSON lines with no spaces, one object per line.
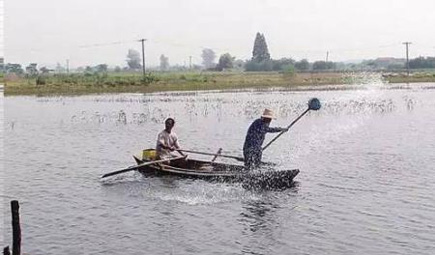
{"x":314,"y":104}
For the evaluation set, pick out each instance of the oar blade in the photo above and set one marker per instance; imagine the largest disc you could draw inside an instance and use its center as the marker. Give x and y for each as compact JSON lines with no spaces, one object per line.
{"x":141,"y":165}
{"x":119,"y":172}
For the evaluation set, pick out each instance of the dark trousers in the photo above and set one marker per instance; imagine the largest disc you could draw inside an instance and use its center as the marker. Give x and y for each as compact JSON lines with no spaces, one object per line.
{"x":252,"y":157}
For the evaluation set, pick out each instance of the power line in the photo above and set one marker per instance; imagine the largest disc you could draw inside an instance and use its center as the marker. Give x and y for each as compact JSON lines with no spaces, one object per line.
{"x":104,"y":44}
{"x":294,"y":51}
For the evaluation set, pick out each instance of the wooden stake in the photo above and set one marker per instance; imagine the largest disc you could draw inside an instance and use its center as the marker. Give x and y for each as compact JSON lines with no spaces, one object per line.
{"x":16,"y":229}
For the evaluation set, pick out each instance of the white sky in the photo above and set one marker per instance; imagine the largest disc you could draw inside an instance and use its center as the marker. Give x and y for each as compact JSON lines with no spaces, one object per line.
{"x":1,"y":28}
{"x":51,"y":31}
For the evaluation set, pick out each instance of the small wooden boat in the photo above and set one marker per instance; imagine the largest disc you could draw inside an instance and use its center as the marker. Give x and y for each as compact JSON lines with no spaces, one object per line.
{"x":218,"y":172}
{"x":192,"y":168}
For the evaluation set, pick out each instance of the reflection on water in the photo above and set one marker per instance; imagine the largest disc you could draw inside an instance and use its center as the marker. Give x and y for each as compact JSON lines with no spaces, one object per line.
{"x":261,"y":224}
{"x":262,"y":220}
{"x":259,"y":215}
{"x":366,"y":184}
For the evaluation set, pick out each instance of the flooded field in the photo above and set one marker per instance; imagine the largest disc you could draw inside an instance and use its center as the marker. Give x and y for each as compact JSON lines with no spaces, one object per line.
{"x":366,"y":186}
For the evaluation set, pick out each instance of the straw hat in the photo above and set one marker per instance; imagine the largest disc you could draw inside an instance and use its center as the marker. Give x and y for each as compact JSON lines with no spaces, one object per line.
{"x":268,"y":113}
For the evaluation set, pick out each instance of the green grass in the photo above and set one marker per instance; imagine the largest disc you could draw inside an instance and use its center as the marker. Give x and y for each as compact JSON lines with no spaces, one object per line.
{"x":77,"y":84}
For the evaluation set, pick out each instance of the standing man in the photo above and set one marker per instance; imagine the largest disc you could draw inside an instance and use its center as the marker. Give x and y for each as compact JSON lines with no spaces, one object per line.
{"x":252,"y":151}
{"x":167,"y":141}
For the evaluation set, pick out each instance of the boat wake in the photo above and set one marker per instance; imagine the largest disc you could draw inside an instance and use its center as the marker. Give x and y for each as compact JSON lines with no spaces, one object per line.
{"x":169,"y":188}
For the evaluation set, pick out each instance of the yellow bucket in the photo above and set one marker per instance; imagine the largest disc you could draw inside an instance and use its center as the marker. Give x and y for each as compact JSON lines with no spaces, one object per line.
{"x":149,"y":154}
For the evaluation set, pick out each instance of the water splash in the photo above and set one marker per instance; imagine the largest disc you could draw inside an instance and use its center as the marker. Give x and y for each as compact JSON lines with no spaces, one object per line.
{"x":191,"y":192}
{"x":357,"y":106}
{"x":365,"y":80}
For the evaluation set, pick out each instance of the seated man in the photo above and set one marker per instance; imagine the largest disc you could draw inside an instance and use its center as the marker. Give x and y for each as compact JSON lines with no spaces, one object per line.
{"x":167,"y":141}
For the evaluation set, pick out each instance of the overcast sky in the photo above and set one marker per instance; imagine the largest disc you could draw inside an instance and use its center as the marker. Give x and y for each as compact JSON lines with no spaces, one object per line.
{"x":90,"y":32}
{"x":1,"y":29}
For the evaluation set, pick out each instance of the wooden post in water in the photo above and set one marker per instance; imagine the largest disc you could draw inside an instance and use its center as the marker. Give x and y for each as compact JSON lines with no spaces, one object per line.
{"x":16,"y":229}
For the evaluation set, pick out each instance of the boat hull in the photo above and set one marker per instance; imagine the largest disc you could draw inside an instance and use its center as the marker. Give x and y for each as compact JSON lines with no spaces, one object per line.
{"x":219,"y":172}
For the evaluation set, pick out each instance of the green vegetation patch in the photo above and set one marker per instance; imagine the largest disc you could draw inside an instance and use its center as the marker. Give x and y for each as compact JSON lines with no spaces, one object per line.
{"x":88,"y":83}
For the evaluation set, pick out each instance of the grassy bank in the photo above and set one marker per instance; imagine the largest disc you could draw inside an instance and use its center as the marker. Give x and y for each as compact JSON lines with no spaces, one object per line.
{"x":78,"y":84}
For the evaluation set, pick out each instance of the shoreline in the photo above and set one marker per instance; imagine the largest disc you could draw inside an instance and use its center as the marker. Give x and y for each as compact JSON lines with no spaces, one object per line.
{"x":193,"y":82}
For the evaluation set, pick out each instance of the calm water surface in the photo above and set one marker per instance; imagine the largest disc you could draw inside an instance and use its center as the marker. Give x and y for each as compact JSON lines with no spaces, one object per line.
{"x":367,"y":181}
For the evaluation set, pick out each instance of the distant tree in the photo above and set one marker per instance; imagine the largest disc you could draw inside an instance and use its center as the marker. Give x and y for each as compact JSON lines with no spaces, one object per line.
{"x":89,"y":69}
{"x":260,"y":52}
{"x":59,"y":68}
{"x":133,"y":59}
{"x":319,"y":65}
{"x":31,"y":69}
{"x":393,"y":67}
{"x":372,"y":64}
{"x":239,"y":64}
{"x":422,"y":62}
{"x":2,"y":64}
{"x":117,"y":69}
{"x":164,"y":63}
{"x":101,"y":68}
{"x":44,"y":70}
{"x":196,"y":67}
{"x":14,"y":68}
{"x":282,"y":64}
{"x":419,"y":62}
{"x":289,"y":69}
{"x":323,"y":65}
{"x":225,"y":62}
{"x":254,"y":66}
{"x":261,"y":60}
{"x":40,"y":80}
{"x":208,"y":56}
{"x":302,"y":65}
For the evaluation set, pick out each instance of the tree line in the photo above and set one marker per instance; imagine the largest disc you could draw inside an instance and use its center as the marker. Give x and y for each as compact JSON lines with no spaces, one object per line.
{"x":260,"y":61}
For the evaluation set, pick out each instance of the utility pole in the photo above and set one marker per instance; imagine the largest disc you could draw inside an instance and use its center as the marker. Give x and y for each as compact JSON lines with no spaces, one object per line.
{"x":67,"y":66}
{"x":143,"y":55}
{"x":190,"y":62}
{"x":407,"y":56}
{"x":327,"y":56}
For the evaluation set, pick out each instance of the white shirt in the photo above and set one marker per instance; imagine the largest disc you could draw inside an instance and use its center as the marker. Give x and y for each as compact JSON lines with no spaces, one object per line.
{"x":168,"y":140}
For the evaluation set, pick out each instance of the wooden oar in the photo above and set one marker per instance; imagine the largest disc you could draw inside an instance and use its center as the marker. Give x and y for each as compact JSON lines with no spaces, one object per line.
{"x":313,"y":104}
{"x":224,"y":156}
{"x":141,"y":165}
{"x":214,"y":154}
